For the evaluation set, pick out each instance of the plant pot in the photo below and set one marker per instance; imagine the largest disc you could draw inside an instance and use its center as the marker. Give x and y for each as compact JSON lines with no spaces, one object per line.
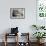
{"x":40,"y":41}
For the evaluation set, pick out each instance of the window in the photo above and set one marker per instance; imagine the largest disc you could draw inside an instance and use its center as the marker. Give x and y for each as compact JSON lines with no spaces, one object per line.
{"x":41,"y":8}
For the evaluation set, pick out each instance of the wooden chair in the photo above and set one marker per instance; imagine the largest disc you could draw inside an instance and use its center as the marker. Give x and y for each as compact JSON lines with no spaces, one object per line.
{"x":8,"y":34}
{"x":25,"y":36}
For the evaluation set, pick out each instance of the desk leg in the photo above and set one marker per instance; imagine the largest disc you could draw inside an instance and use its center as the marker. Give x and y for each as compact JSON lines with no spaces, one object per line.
{"x":17,"y":41}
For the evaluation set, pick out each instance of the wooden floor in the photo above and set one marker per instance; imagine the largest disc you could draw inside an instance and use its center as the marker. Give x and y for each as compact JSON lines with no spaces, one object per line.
{"x":13,"y":44}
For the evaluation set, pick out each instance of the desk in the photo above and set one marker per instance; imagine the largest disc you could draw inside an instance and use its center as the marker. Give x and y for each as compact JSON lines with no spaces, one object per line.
{"x":8,"y":34}
{"x":17,"y":43}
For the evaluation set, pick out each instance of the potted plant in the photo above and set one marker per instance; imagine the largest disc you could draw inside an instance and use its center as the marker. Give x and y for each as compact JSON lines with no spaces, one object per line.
{"x":39,"y":35}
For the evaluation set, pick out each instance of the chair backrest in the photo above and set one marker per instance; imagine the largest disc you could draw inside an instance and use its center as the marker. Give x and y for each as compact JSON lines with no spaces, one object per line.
{"x":24,"y":37}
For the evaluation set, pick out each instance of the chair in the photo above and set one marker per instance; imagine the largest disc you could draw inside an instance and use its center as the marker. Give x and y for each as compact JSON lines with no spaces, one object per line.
{"x":26,"y":41}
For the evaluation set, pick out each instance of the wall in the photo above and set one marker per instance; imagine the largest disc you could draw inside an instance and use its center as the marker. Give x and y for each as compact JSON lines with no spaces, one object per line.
{"x":23,"y":24}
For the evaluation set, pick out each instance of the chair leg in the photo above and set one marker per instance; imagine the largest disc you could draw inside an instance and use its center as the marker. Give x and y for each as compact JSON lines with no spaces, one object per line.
{"x":5,"y":43}
{"x":5,"y":40}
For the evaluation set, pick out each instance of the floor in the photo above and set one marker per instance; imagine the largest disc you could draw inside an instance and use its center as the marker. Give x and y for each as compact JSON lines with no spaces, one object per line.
{"x":13,"y":44}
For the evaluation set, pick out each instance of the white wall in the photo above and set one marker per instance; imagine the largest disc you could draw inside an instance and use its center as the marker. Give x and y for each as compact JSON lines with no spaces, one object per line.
{"x":23,"y":24}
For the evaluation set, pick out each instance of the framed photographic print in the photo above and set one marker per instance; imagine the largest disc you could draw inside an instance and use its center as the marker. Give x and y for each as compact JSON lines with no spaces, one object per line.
{"x":17,"y":13}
